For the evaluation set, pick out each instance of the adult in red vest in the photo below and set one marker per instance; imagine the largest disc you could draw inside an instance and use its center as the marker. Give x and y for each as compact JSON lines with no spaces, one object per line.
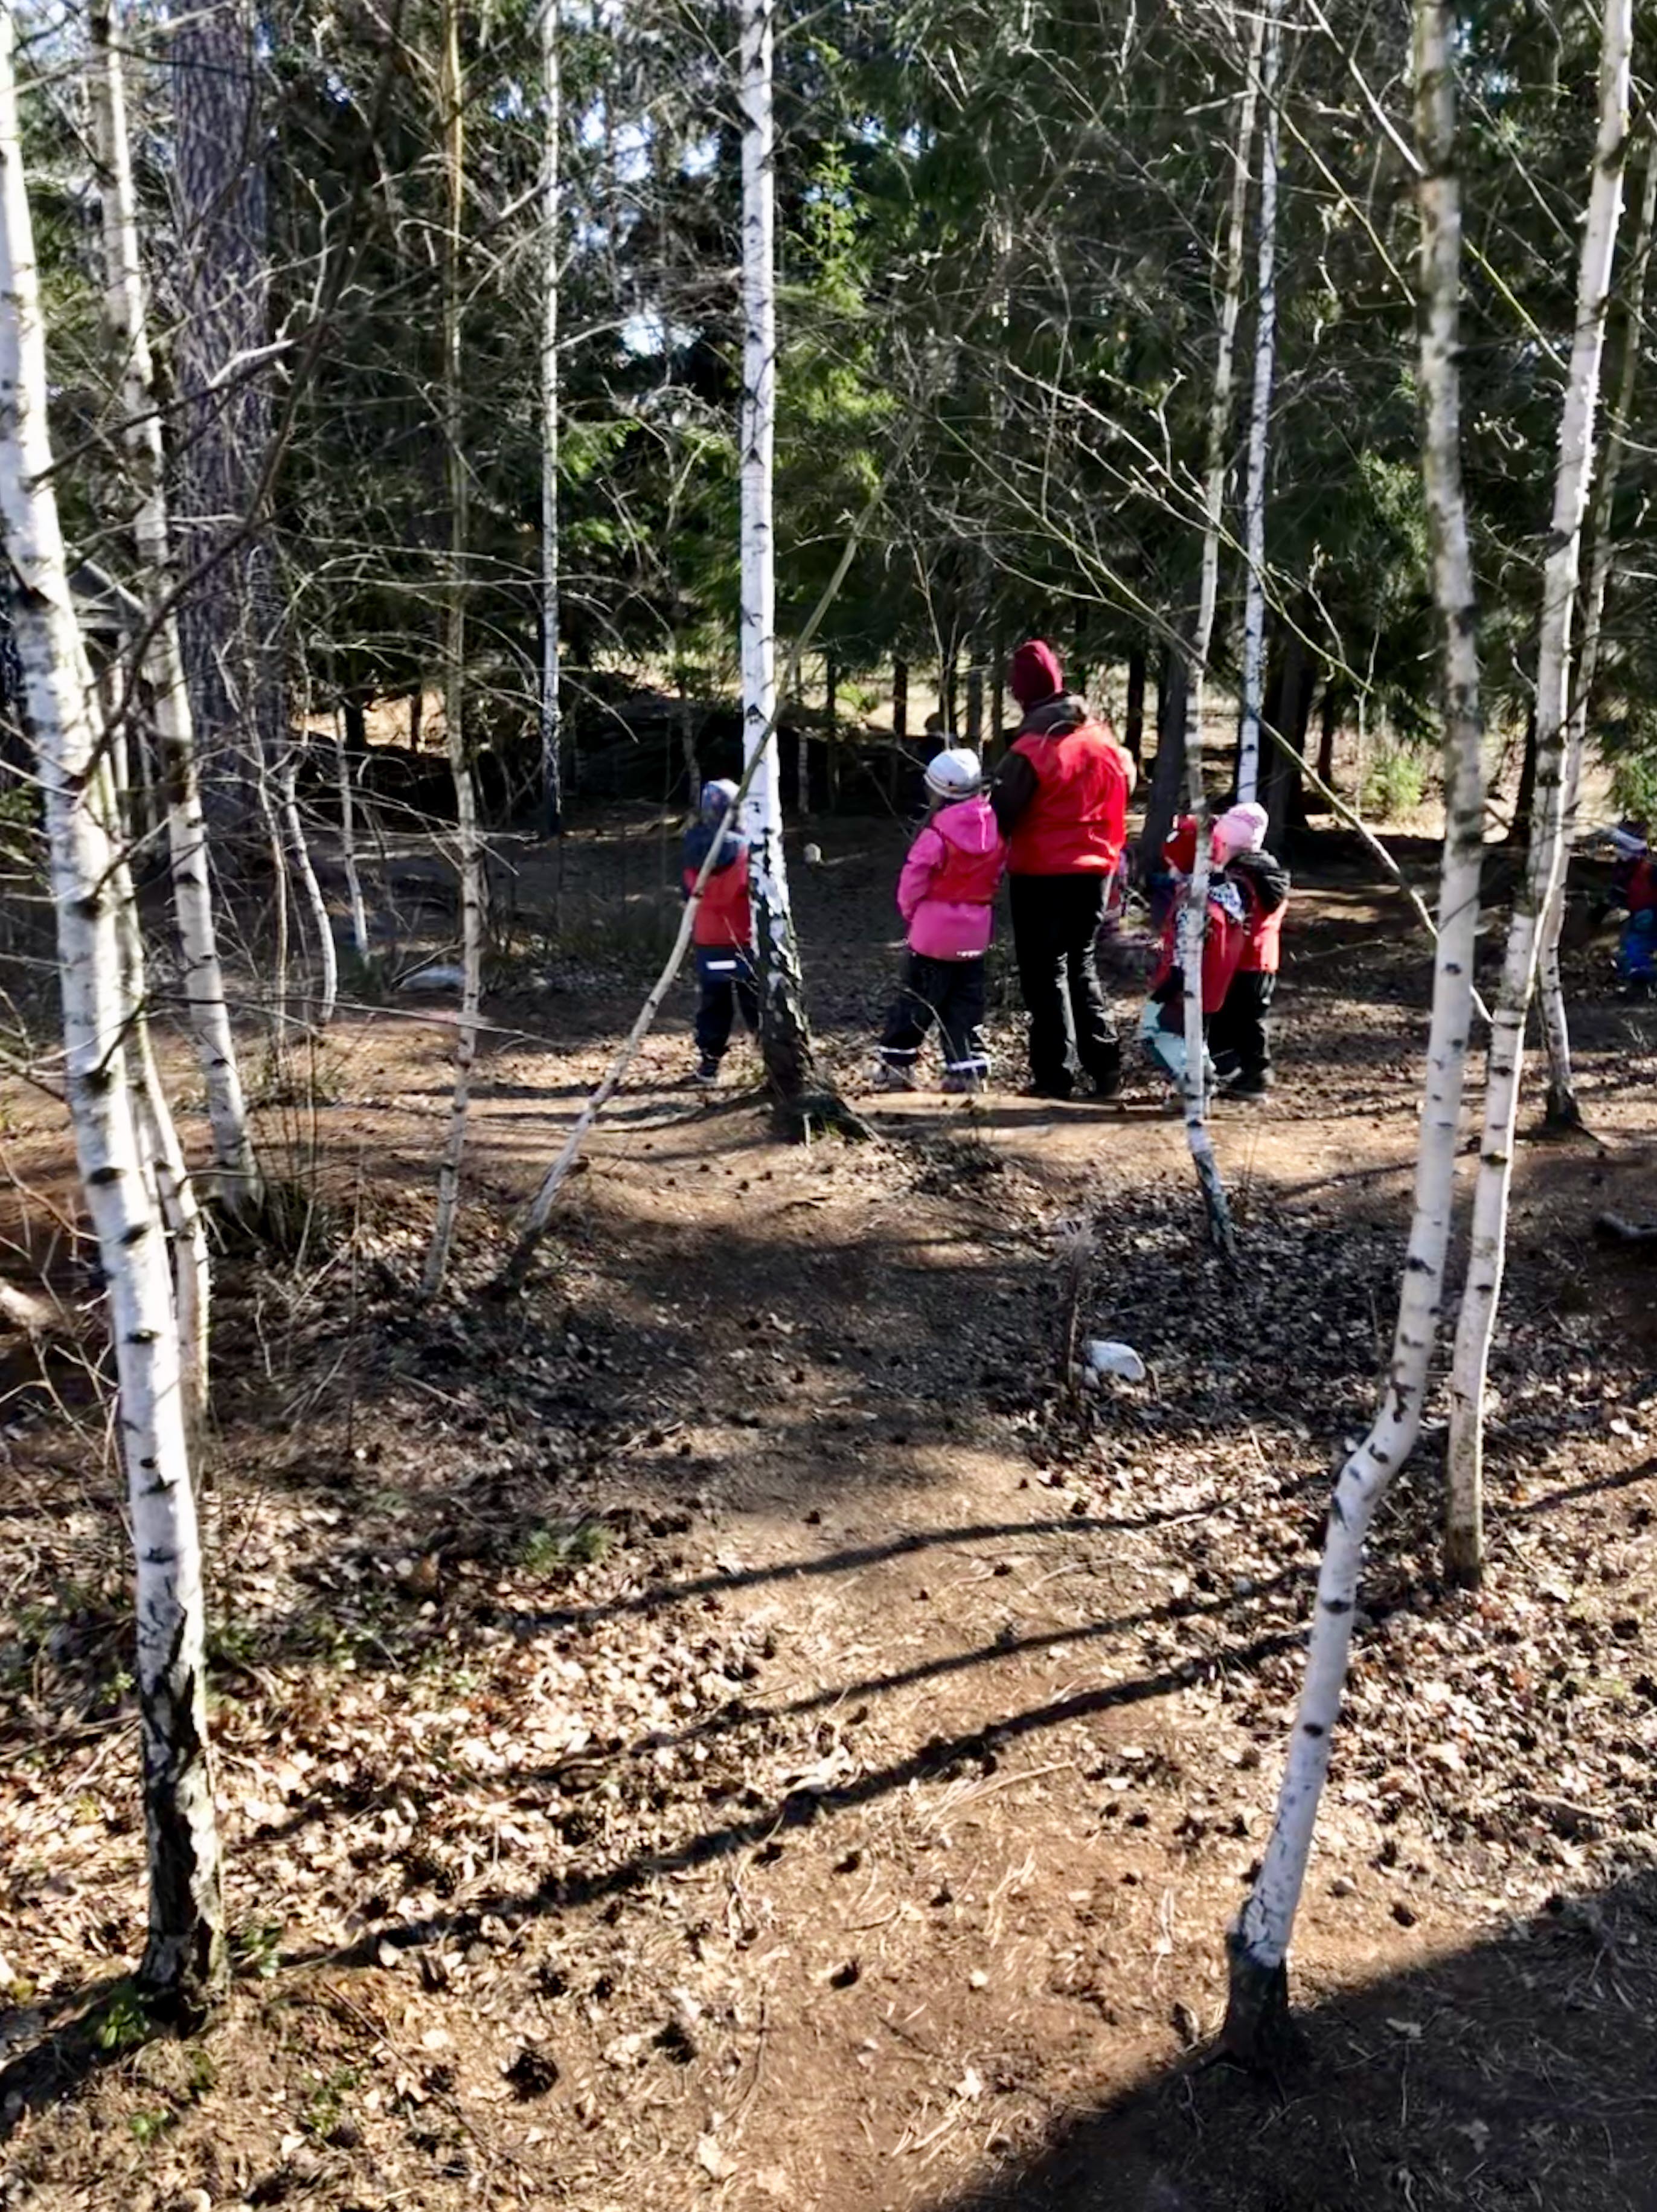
{"x":1061,"y":798}
{"x":722,"y":931}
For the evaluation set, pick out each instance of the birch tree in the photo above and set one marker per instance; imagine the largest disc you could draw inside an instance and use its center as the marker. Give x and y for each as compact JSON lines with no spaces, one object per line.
{"x":1464,"y":1529}
{"x":126,"y":322}
{"x":784,"y":1036}
{"x":469,"y":857}
{"x":552,"y":783}
{"x":1260,"y":418}
{"x":183,"y":1958}
{"x":1564,"y":1108}
{"x":1193,"y":910}
{"x":1256,"y":2018}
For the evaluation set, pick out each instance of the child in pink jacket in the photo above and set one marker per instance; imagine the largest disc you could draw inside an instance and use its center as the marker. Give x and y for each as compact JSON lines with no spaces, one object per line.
{"x":946,"y":895}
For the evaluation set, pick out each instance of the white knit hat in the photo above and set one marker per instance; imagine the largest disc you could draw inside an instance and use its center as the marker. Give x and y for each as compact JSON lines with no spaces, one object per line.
{"x":954,"y":772}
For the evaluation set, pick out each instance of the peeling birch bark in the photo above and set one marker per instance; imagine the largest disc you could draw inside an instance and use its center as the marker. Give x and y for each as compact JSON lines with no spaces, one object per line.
{"x":1257,"y":2027}
{"x":183,"y":1958}
{"x":1563,"y":1109}
{"x":1193,"y":914}
{"x":1463,"y":1520}
{"x":552,"y":781}
{"x":469,"y":855}
{"x":1259,"y":419}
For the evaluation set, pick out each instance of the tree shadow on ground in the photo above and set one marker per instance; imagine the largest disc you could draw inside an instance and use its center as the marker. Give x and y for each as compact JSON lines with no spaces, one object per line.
{"x":1513,"y":2073}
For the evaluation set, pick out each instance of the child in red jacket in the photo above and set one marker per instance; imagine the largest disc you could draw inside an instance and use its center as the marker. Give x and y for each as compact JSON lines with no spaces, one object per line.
{"x":723,"y":931}
{"x":946,"y":895}
{"x":1240,"y":1035}
{"x":1162,"y":1026}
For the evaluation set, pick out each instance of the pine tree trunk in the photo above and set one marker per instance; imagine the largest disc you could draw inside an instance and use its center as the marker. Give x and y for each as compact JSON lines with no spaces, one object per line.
{"x":451,"y":95}
{"x":1464,"y":1540}
{"x":552,"y":783}
{"x":1256,"y":2020}
{"x":1328,"y":730}
{"x":785,"y":1038}
{"x":1259,"y":417}
{"x":1133,"y":732}
{"x":224,"y":419}
{"x":1194,"y":917}
{"x":183,"y":1958}
{"x":898,"y":758}
{"x":831,"y":717}
{"x":1563,"y":1111}
{"x":239,"y":1178}
{"x":1168,"y":770}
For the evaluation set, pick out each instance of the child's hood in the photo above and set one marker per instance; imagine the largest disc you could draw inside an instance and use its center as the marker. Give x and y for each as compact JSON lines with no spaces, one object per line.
{"x":970,"y":825}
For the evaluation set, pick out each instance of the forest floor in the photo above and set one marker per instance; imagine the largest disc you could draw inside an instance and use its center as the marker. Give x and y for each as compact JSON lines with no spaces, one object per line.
{"x":729,"y":1728}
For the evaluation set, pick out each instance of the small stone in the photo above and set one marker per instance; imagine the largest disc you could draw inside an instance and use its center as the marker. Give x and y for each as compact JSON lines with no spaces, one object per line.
{"x":1341,"y":1887}
{"x":1405,"y":1915}
{"x":978,"y":1979}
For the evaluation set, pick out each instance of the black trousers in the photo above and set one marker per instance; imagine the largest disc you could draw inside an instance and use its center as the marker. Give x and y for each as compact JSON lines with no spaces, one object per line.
{"x":726,"y":977}
{"x":950,"y":992}
{"x":1055,"y":920}
{"x":1239,"y":1036}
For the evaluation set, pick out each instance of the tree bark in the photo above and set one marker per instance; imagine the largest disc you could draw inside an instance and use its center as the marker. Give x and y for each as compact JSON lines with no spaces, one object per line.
{"x":552,"y":781}
{"x":1563,"y":1110}
{"x":1289,"y":707}
{"x":184,"y":1957}
{"x":126,"y":322}
{"x":1328,"y":730}
{"x":1519,"y":830}
{"x":1193,"y":916}
{"x":1133,"y":731}
{"x":451,"y":95}
{"x":347,"y":793}
{"x":784,"y":1036}
{"x":900,"y":729}
{"x":1260,"y":417}
{"x":976,"y":707}
{"x":1464,"y":1536}
{"x":1168,"y":770}
{"x":1256,"y":2018}
{"x":226,"y":620}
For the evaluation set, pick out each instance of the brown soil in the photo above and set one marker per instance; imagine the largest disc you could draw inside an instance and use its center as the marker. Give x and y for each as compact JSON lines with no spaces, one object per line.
{"x":730,"y":1727}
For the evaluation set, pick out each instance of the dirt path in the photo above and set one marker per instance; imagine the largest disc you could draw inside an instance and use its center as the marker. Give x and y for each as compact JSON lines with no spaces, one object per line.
{"x":733,"y":1728}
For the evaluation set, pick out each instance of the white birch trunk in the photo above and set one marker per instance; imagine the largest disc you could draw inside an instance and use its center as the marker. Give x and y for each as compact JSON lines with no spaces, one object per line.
{"x":360,"y":944}
{"x":300,"y":851}
{"x":785,"y":1038}
{"x":184,"y":1953}
{"x":552,"y":782}
{"x":238,"y":1171}
{"x":1563,"y":1111}
{"x":1464,"y":1532}
{"x":1259,"y":419}
{"x":468,"y":851}
{"x":1259,"y":1941}
{"x":279,"y":965}
{"x":167,"y":1176}
{"x":1193,"y":914}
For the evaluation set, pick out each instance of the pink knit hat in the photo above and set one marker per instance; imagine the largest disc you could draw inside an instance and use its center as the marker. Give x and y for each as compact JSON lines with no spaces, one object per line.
{"x":1241,"y":829}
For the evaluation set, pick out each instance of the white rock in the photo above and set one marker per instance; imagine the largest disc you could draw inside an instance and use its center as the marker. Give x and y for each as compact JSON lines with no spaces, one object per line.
{"x":1104,"y":1356}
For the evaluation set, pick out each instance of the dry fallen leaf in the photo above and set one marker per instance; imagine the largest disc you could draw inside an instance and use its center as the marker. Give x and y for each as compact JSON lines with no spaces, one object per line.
{"x":712,"y":2155}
